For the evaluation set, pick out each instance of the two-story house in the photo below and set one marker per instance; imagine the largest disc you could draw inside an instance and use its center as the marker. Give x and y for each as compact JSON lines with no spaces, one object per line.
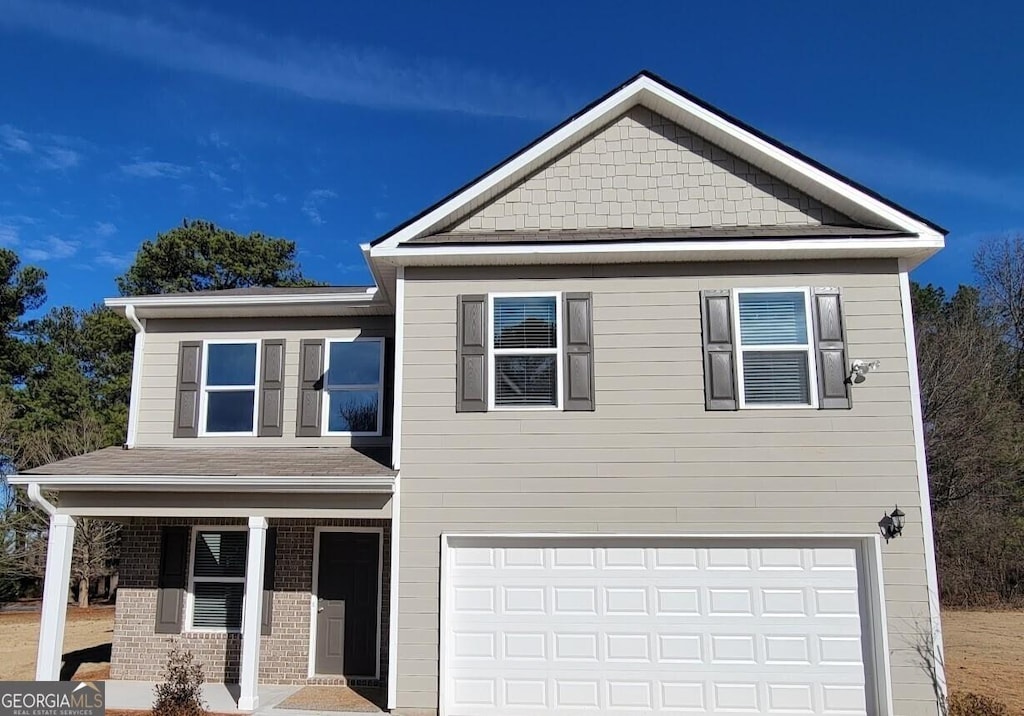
{"x":607,"y":436}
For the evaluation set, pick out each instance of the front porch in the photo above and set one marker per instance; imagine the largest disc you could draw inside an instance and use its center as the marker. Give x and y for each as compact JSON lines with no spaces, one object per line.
{"x":283,"y":582}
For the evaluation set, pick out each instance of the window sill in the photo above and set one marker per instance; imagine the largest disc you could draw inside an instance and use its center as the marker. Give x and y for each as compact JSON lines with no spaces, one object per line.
{"x":524,"y":409}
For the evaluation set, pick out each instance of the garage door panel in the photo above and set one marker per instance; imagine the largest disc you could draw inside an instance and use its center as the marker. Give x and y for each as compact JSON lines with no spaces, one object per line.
{"x":624,"y":628}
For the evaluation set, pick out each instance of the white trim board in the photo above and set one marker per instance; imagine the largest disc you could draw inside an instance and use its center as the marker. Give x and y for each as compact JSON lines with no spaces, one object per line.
{"x":924,"y":490}
{"x":317,"y":531}
{"x":869,"y":560}
{"x":378,"y":484}
{"x":665,"y":100}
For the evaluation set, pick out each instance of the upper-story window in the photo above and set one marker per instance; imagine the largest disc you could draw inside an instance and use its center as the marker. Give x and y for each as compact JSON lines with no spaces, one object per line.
{"x":775,"y":357}
{"x":525,"y":343}
{"x":229,"y":405}
{"x":353,"y":387}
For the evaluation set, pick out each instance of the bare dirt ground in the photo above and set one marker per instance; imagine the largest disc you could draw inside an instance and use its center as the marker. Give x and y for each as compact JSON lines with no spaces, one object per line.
{"x":87,"y":638}
{"x":984,"y":650}
{"x":985,"y":654}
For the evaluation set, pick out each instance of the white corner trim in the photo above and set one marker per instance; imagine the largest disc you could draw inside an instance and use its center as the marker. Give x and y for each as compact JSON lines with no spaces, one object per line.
{"x":924,"y":490}
{"x":136,"y":388}
{"x":636,"y":92}
{"x":399,"y":371}
{"x":396,"y":550}
{"x":376,"y":484}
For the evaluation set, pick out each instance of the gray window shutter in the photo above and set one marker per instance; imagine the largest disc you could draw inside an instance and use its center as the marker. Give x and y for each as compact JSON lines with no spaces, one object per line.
{"x":311,"y":383}
{"x":578,"y":351}
{"x":719,"y":350}
{"x":471,"y":355}
{"x":270,"y":564}
{"x":171,"y":581}
{"x":830,"y":344}
{"x":272,"y":389}
{"x":186,"y":403}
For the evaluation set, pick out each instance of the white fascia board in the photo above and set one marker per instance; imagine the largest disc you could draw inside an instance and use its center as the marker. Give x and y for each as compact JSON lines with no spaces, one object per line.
{"x":640,"y":89}
{"x":378,"y":484}
{"x":914,"y":250}
{"x":175,"y":300}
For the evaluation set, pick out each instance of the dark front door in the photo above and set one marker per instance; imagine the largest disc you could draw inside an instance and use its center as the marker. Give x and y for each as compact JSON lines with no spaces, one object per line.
{"x":347,"y":600}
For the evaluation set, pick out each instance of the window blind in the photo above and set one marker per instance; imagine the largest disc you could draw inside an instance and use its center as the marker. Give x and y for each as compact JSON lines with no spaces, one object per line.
{"x":220,"y":554}
{"x":525,"y":322}
{"x":776,"y":377}
{"x":773,"y":319}
{"x":525,"y":380}
{"x":217,"y":605}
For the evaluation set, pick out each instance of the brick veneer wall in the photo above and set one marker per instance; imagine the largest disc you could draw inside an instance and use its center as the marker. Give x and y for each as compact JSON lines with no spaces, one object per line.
{"x":139,"y":653}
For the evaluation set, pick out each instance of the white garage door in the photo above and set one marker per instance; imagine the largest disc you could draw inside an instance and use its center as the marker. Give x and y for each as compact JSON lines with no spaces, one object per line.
{"x":620,"y":627}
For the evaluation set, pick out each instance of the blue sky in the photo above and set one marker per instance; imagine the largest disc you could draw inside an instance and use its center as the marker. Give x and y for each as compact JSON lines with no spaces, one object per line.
{"x":328,"y":123}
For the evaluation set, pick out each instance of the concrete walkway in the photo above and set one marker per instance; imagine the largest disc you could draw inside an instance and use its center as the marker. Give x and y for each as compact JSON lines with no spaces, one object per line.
{"x":220,"y":698}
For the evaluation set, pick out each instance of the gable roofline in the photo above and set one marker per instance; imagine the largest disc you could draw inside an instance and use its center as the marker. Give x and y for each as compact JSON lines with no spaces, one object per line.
{"x":646,"y":85}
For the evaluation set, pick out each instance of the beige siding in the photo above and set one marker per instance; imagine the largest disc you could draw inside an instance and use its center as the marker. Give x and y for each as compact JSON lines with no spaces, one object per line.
{"x":160,"y":373}
{"x":650,"y":458}
{"x":643,"y":171}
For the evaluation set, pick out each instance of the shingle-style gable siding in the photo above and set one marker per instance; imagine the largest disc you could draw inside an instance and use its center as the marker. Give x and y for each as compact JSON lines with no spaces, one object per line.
{"x":643,"y":171}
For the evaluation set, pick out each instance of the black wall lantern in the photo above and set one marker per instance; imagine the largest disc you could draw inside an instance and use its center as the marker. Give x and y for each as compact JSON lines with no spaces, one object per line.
{"x":891,"y":525}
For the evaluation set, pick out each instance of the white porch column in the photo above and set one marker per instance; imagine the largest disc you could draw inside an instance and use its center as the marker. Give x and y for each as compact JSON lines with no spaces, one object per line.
{"x":252,"y":614}
{"x":55,"y":597}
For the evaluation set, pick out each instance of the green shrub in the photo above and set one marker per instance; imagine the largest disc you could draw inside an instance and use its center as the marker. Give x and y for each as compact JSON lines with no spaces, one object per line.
{"x":181,"y":694}
{"x":965,"y":703}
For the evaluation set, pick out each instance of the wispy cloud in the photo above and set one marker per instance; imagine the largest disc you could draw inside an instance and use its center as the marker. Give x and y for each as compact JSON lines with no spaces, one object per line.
{"x":9,"y":235}
{"x":144,"y":169}
{"x":922,"y":174}
{"x":311,"y":206}
{"x":112,"y":260}
{"x":105,"y":229}
{"x":46,"y":151}
{"x":15,"y":140}
{"x":343,"y":74}
{"x":51,"y":248}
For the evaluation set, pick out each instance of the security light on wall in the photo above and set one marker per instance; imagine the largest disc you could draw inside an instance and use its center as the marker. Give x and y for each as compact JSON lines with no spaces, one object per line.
{"x":859,"y":369}
{"x":891,"y":525}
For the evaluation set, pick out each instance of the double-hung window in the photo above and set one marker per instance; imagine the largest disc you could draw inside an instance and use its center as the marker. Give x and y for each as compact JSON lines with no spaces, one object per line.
{"x":353,"y":386}
{"x":218,"y":579}
{"x":230,"y":370}
{"x":774,"y":348}
{"x":525,"y":343}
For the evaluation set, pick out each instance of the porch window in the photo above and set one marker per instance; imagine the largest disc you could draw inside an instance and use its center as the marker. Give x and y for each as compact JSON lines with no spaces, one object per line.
{"x":353,"y":383}
{"x":229,"y":388}
{"x":525,"y":345}
{"x":218,"y":579}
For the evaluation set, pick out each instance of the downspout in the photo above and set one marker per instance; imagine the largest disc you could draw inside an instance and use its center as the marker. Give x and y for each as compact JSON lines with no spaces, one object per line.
{"x":140,"y":344}
{"x":35,"y":494}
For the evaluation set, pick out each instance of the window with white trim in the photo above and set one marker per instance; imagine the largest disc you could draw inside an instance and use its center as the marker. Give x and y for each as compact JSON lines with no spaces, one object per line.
{"x":353,"y":386}
{"x":525,"y":344}
{"x":229,"y":387}
{"x":774,"y":352}
{"x":218,"y":579}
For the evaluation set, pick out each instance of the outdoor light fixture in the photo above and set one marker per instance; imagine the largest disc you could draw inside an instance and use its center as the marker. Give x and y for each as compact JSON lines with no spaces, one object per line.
{"x":859,"y":370}
{"x":891,"y":525}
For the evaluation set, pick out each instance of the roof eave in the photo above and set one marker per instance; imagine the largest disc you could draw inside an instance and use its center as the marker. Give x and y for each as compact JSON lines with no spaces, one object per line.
{"x":369,"y":484}
{"x":284,"y":304}
{"x":911,"y":250}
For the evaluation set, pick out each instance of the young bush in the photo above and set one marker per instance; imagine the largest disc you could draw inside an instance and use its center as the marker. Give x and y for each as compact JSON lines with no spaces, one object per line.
{"x":971,"y":704}
{"x":181,"y":692}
